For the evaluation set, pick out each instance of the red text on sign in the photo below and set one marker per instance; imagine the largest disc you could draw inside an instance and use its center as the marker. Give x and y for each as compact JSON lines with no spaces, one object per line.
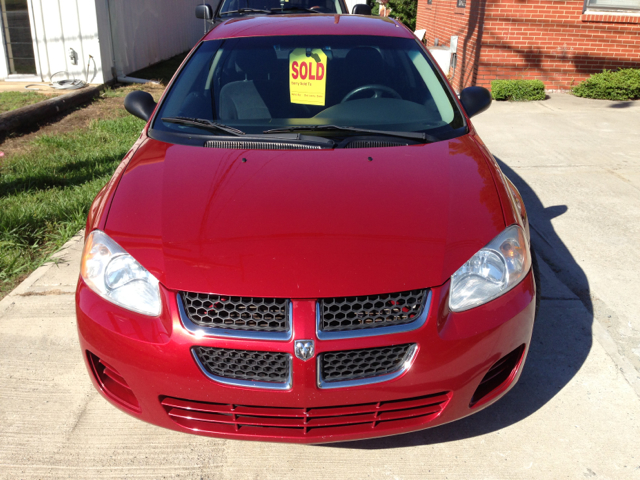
{"x":305,"y":69}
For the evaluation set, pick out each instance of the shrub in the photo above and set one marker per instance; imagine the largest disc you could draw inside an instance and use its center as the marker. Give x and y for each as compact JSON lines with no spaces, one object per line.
{"x":621,"y":85}
{"x":517,"y":90}
{"x":405,"y":11}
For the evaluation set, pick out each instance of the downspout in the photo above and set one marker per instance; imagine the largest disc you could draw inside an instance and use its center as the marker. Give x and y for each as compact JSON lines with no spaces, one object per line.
{"x":126,"y":79}
{"x":114,"y":72}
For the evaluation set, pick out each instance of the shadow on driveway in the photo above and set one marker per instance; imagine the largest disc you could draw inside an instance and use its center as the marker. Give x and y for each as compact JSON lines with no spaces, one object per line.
{"x":560,"y":344}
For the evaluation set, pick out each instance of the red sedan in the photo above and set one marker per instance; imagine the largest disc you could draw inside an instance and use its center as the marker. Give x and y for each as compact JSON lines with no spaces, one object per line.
{"x":308,"y":243}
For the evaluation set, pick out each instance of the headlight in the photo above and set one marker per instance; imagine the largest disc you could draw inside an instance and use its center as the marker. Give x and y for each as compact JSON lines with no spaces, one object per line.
{"x":116,"y":276}
{"x":491,"y":272}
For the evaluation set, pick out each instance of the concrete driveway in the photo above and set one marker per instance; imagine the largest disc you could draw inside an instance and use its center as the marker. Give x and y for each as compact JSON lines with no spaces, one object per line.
{"x":574,"y":414}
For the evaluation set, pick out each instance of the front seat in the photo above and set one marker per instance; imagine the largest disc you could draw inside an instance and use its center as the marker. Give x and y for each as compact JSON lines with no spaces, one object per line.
{"x":241,"y":100}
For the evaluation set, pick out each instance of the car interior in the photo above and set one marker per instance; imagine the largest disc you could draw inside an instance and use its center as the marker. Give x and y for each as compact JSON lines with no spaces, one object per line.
{"x":240,"y":83}
{"x":322,"y":6}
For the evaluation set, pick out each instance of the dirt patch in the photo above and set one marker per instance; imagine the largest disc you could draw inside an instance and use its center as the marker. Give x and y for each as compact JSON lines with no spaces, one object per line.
{"x":110,"y":104}
{"x":46,"y":293}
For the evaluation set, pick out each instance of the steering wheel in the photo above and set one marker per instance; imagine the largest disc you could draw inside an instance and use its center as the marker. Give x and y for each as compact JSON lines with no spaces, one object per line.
{"x":377,"y":89}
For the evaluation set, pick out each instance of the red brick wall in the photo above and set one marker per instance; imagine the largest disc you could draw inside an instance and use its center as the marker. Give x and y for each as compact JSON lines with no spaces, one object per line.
{"x":550,"y":40}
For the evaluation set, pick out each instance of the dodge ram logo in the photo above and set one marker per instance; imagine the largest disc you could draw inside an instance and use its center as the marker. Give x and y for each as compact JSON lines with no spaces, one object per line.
{"x":304,"y":349}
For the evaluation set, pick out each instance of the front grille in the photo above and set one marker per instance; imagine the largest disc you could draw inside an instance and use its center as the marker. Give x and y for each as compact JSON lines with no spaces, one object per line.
{"x":371,"y":311}
{"x":315,"y":422}
{"x":247,"y":365}
{"x":365,"y":363}
{"x":256,"y":145}
{"x":237,"y":313}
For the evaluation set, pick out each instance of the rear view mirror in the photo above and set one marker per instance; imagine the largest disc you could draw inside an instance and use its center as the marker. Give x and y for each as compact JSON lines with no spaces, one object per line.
{"x":361,"y":9}
{"x":140,"y":104}
{"x":206,"y":11}
{"x":475,"y":100}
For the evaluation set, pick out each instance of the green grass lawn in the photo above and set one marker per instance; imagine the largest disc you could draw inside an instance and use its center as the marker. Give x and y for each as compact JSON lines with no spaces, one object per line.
{"x":46,"y":192}
{"x":13,"y":100}
{"x":47,"y":188}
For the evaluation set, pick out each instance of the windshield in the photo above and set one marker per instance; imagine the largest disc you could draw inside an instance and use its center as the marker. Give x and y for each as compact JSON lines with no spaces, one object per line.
{"x":266,"y":83}
{"x":321,"y":6}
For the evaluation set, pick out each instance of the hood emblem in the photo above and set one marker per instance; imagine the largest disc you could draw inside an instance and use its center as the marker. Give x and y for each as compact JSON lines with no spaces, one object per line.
{"x":304,"y":349}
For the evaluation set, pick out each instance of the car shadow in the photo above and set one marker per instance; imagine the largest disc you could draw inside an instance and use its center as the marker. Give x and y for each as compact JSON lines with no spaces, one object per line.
{"x":621,"y":105}
{"x":560,"y":344}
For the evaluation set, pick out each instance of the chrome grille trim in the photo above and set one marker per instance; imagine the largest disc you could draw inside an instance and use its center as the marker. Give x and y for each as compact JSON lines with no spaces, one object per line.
{"x":201,"y":331}
{"x":246,"y":383}
{"x":254,"y":314}
{"x":371,"y":332}
{"x":408,"y":363}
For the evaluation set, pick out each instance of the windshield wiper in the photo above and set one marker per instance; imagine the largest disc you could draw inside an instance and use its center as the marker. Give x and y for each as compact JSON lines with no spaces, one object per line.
{"x":292,"y":8}
{"x":204,"y":123}
{"x":338,"y":128}
{"x":247,"y":10}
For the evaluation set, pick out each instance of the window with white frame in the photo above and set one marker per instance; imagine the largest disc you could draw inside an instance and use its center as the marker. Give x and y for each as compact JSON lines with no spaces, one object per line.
{"x":18,"y":42}
{"x":613,"y":5}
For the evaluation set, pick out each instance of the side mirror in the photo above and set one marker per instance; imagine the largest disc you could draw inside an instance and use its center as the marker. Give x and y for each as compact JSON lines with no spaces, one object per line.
{"x":140,"y":104}
{"x":361,"y":9}
{"x":204,"y":11}
{"x":475,"y":100}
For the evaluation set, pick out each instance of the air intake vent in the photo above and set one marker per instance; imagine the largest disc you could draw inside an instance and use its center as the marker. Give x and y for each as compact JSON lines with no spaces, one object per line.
{"x":255,"y":145}
{"x":112,"y":383}
{"x":501,"y":371}
{"x":374,"y":144}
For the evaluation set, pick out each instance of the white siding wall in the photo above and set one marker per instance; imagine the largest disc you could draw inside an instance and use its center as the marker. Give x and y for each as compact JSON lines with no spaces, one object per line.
{"x":59,"y":26}
{"x":109,"y":36}
{"x":148,"y":31}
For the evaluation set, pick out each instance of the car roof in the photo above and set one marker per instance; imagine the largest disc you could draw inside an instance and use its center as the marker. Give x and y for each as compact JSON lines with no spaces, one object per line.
{"x":312,"y":24}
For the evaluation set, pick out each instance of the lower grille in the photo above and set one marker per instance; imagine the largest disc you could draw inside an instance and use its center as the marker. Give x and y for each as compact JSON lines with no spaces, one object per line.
{"x":366,"y":363}
{"x":286,"y":422}
{"x":270,"y":367}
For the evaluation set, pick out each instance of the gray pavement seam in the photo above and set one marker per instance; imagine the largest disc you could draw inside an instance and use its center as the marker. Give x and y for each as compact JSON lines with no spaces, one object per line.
{"x":22,"y":289}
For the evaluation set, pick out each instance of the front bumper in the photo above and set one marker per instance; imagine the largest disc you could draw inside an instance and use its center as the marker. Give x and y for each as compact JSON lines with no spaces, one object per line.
{"x":153,"y":360}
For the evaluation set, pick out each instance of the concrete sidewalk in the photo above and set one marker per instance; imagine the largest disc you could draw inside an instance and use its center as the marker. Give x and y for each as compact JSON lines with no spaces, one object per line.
{"x":577,"y":164}
{"x":574,"y":414}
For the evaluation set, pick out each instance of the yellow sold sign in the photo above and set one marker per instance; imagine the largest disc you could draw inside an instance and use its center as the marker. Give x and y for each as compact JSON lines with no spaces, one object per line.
{"x":308,"y":76}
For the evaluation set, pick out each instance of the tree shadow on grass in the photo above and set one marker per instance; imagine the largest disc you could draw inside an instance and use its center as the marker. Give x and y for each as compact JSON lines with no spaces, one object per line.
{"x":560,"y":344}
{"x":64,"y":176}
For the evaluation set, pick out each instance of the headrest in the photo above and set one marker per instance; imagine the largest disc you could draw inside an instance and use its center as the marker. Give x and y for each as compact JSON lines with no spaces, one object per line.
{"x":257,"y":64}
{"x":361,"y":9}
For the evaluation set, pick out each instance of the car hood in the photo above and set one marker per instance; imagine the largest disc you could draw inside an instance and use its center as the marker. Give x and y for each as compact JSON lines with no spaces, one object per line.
{"x":305,"y":224}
